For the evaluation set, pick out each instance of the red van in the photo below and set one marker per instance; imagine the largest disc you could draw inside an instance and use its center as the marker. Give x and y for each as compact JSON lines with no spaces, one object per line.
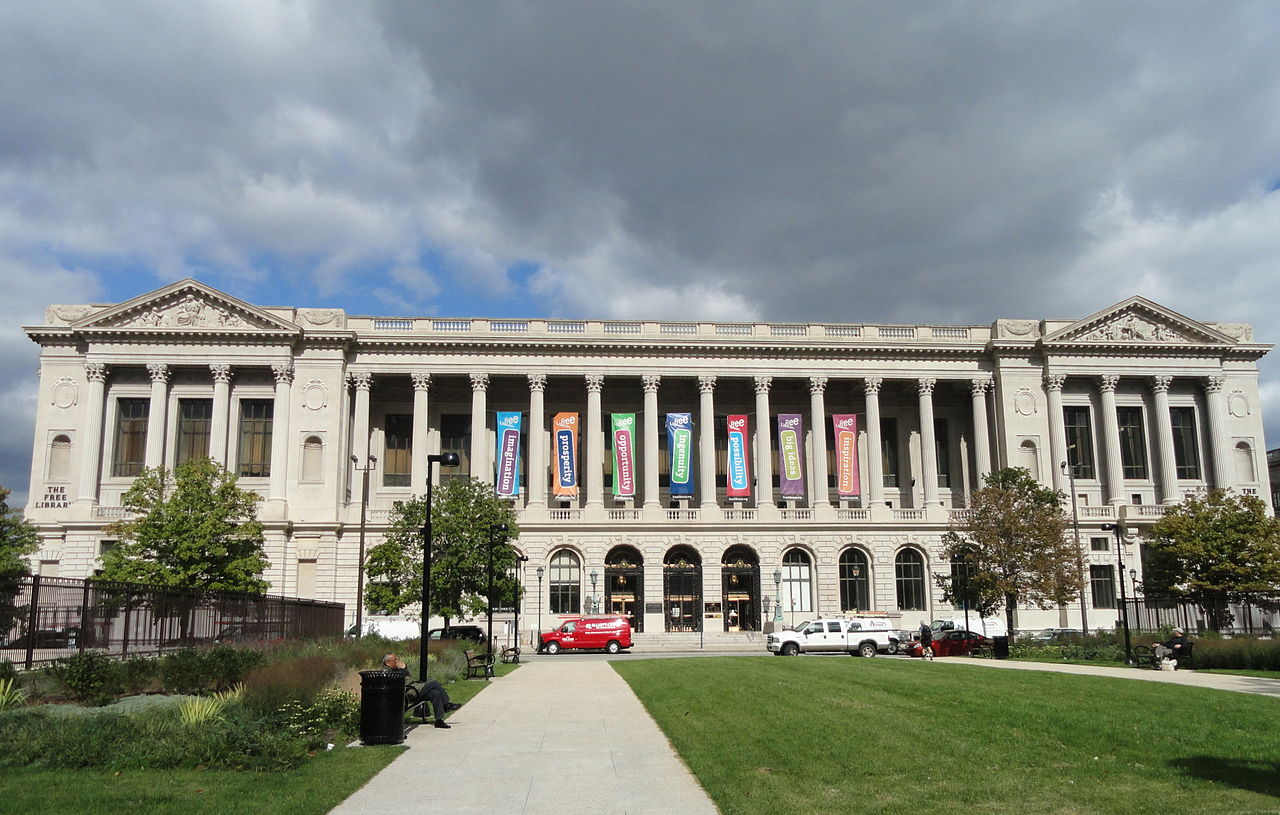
{"x":609,"y":633}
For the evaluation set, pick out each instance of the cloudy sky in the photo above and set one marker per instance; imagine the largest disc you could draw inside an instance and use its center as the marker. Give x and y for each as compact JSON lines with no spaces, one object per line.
{"x":881,"y":162}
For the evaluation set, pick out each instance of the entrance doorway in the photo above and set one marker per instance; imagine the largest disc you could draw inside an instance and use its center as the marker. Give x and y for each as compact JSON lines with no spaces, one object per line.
{"x":624,"y":585}
{"x":682,"y":589}
{"x":740,"y":586}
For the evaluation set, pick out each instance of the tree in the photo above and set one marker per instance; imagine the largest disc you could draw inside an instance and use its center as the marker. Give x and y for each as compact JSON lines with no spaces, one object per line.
{"x":462,"y":514}
{"x":18,"y":539}
{"x":1213,"y":551}
{"x":193,"y":529}
{"x":1012,"y":548}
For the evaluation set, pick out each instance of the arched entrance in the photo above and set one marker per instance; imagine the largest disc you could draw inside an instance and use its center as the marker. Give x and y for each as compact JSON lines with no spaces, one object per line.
{"x":682,"y":589}
{"x":624,"y":585}
{"x":740,"y":584}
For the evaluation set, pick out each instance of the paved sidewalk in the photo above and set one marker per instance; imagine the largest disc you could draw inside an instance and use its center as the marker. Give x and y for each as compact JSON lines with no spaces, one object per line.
{"x":549,"y":738}
{"x":1242,"y":684}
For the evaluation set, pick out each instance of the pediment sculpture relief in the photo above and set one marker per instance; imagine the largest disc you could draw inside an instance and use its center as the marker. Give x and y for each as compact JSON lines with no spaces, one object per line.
{"x":191,"y":311}
{"x":1132,"y":327}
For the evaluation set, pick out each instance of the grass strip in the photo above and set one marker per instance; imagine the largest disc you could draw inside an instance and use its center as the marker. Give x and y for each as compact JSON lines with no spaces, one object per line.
{"x":894,"y":736}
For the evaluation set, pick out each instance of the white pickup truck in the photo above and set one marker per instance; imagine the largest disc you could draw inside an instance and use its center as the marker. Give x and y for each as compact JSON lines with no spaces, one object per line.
{"x":862,"y":636}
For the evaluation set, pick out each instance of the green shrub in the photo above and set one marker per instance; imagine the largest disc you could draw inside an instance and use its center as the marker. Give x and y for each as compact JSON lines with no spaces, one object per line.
{"x":137,"y":674}
{"x":334,"y":713}
{"x":1240,"y":653}
{"x":92,"y":676}
{"x":228,"y":666}
{"x":184,"y":671}
{"x":272,"y":686}
{"x":7,"y":671}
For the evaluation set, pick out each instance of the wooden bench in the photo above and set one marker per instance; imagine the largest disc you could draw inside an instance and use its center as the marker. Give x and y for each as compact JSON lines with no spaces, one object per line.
{"x":1144,"y":656}
{"x":479,"y":664}
{"x":511,"y":654}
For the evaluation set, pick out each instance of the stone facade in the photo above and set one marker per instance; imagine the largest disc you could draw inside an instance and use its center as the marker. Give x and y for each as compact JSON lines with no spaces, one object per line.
{"x":1146,"y":403}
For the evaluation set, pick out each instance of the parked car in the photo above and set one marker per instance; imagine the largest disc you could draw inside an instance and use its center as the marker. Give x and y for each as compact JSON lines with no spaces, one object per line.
{"x":902,"y":641}
{"x":954,"y":644}
{"x":474,"y":633}
{"x":393,"y":628}
{"x":862,"y":636}
{"x":611,"y":634}
{"x":1050,"y":635}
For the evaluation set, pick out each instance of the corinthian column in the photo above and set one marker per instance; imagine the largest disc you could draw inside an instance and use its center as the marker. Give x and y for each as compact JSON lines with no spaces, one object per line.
{"x":1111,"y":436}
{"x":928,"y":442}
{"x":981,"y":438}
{"x":707,"y":443}
{"x":1221,"y":448}
{"x":157,"y":412}
{"x":594,"y":476}
{"x":875,"y":450}
{"x":95,"y":399}
{"x":537,"y":476}
{"x":1164,"y":440}
{"x":220,"y":418}
{"x":821,"y":491}
{"x":481,"y":467}
{"x":1053,"y":384}
{"x":418,"y":441}
{"x":362,"y":382}
{"x":764,"y":445}
{"x":280,"y":430}
{"x":650,"y":383}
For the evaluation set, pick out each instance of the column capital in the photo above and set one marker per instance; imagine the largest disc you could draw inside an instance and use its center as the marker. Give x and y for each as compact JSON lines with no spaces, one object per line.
{"x":1054,"y":382}
{"x":538,"y":383}
{"x":1160,"y":384}
{"x":706,"y":383}
{"x":158,"y":371}
{"x":925,"y":385}
{"x":96,"y":371}
{"x":421,"y":380}
{"x":978,"y":387}
{"x":595,"y":383}
{"x":817,"y":384}
{"x":871,"y":385}
{"x":1213,"y":384}
{"x":650,"y":382}
{"x":763,"y":384}
{"x":1107,"y":382}
{"x":283,"y":373}
{"x":220,"y":372}
{"x":360,"y":380}
{"x":479,"y":382}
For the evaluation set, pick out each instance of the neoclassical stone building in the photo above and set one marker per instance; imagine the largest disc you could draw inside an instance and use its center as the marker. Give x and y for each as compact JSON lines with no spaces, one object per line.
{"x":669,"y":471}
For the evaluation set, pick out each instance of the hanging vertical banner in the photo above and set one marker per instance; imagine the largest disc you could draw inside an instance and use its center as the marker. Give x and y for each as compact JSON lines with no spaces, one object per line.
{"x":738,"y":482}
{"x":624,"y":455}
{"x":564,"y":428}
{"x":791,"y":455}
{"x":846,"y":441}
{"x":507,"y":483}
{"x":680,"y":443}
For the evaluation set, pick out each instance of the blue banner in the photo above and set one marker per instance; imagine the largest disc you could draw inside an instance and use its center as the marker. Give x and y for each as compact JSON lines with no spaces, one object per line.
{"x":507,"y":484}
{"x":680,"y":445}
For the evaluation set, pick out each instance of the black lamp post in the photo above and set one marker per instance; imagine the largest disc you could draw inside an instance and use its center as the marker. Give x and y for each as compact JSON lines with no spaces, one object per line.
{"x":777,"y":598}
{"x":1070,"y":470}
{"x":539,"y":606}
{"x":595,"y":607}
{"x":515,"y":604}
{"x":1124,"y":602}
{"x":500,"y":529}
{"x":446,"y":460}
{"x":364,"y":505}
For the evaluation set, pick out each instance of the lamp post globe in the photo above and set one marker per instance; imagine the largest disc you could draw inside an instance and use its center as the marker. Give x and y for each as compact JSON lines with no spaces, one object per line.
{"x":444,"y":460}
{"x":777,"y":595}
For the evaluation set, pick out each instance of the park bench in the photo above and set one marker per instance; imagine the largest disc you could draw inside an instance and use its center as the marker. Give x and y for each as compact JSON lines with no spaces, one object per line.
{"x":1144,"y":656}
{"x":511,"y":654}
{"x":479,"y":664}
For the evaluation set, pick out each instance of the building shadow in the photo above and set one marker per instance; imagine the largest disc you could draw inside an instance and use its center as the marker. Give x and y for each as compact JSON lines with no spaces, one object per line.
{"x":1255,"y":775}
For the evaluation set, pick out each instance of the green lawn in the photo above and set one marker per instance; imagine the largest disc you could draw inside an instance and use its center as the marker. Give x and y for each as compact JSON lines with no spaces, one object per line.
{"x":827,"y":735}
{"x":312,"y":789}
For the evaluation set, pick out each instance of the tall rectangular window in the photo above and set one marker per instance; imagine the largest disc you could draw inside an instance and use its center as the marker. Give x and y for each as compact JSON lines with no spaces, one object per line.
{"x":131,"y":437}
{"x":1133,"y":442}
{"x":195,"y":418}
{"x":1079,"y":428}
{"x":889,"y":450}
{"x":255,"y":437}
{"x":397,"y":434}
{"x":1186,"y":452}
{"x":942,"y":446}
{"x":1103,"y":582}
{"x":455,"y":437}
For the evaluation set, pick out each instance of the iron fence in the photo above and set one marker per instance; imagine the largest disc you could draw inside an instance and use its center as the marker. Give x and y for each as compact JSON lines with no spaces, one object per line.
{"x":48,"y":618}
{"x":1150,"y":614}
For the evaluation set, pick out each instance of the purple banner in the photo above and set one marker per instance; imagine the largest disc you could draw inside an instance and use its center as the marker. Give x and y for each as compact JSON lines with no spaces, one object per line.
{"x":791,"y":455}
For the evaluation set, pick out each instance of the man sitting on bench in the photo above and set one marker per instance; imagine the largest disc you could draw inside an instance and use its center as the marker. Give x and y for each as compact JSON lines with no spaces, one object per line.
{"x":1175,"y":648}
{"x":419,"y":692}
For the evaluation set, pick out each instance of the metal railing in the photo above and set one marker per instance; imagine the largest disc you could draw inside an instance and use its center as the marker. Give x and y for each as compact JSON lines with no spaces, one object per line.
{"x":48,"y":618}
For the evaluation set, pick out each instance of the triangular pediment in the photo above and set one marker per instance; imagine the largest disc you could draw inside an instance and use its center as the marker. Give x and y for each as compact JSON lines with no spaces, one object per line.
{"x":1139,"y":320}
{"x":187,"y":304}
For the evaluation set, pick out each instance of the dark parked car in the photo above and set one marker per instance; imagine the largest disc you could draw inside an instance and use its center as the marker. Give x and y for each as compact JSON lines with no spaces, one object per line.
{"x":954,"y":644}
{"x":458,"y":632}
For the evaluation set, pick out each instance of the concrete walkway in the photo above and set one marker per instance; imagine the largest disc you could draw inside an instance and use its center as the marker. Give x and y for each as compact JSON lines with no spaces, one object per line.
{"x":549,"y":738}
{"x":1241,"y":684}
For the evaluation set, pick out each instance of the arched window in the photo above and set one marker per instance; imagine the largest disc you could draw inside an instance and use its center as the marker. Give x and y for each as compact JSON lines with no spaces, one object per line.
{"x":312,"y":459}
{"x":566,"y":583}
{"x":797,"y":581}
{"x":908,"y":569}
{"x":1245,"y":471}
{"x":855,"y":581}
{"x":60,"y":458}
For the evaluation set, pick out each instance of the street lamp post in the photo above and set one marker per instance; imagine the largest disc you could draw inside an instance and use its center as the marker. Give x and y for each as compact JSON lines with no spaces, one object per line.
{"x":1070,"y":470}
{"x":445,"y":460}
{"x":364,"y":506}
{"x":1124,"y":602}
{"x":595,"y":605}
{"x":539,"y":605}
{"x":501,"y":529}
{"x":777,"y":596}
{"x":515,"y":604}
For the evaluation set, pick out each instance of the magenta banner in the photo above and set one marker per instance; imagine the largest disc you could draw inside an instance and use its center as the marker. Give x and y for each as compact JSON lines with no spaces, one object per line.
{"x":846,"y":442}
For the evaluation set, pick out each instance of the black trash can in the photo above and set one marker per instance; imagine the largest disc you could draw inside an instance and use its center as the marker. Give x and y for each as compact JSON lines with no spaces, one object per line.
{"x":382,"y":706}
{"x":1000,"y":647}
